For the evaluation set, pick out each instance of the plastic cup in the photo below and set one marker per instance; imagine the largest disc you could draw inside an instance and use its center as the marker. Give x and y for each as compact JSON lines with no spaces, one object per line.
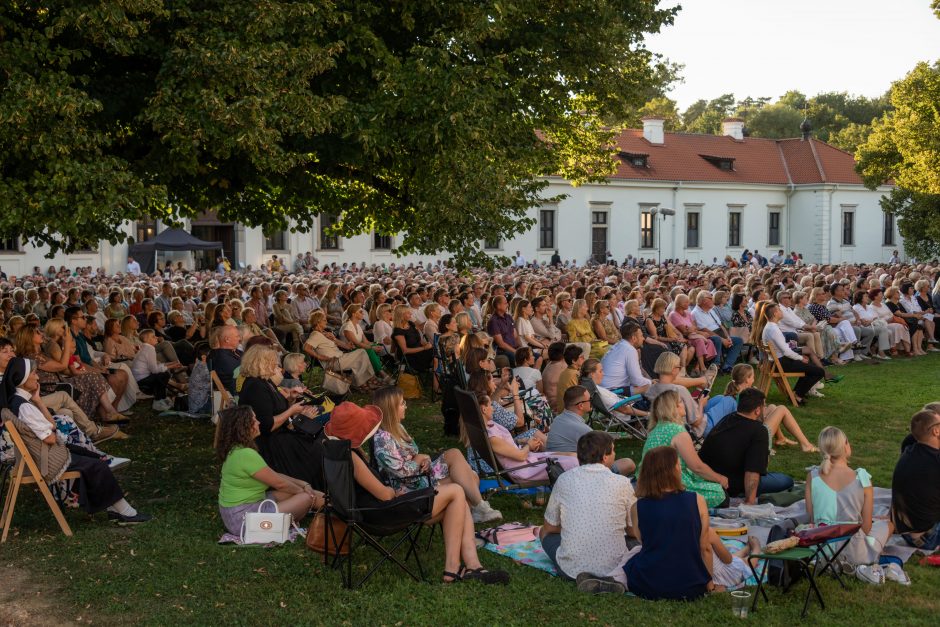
{"x":740,"y":603}
{"x":540,"y":497}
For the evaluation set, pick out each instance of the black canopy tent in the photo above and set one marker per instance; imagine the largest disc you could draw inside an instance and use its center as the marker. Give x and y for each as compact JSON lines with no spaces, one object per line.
{"x":145,"y":253}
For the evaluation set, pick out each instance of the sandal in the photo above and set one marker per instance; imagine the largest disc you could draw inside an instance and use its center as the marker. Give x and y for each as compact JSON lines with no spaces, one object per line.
{"x":485,"y":576}
{"x":454,"y":577}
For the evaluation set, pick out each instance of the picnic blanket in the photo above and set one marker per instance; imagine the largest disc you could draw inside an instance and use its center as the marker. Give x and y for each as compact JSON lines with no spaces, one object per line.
{"x":231,"y":538}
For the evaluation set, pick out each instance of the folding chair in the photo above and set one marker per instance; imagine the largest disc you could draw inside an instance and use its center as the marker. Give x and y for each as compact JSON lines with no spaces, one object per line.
{"x":220,"y":400}
{"x":610,"y":421}
{"x":341,"y":505}
{"x":808,"y":558}
{"x":24,"y":472}
{"x":771,"y":370}
{"x":472,"y":420}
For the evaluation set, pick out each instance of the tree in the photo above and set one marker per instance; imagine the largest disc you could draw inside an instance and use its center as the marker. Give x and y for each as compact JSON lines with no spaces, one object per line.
{"x":434,"y":119}
{"x":705,"y":116}
{"x":661,"y":107}
{"x":904,"y":147}
{"x":850,"y":137}
{"x":775,"y":121}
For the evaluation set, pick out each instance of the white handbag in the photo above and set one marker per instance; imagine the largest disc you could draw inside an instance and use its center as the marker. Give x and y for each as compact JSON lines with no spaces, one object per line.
{"x":266,"y":527}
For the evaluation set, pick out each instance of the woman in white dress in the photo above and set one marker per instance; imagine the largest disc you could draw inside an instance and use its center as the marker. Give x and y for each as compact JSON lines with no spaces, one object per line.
{"x":898,"y":333}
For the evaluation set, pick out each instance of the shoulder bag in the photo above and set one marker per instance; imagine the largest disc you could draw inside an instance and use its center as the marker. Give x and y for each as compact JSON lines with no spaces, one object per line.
{"x":316,"y":535}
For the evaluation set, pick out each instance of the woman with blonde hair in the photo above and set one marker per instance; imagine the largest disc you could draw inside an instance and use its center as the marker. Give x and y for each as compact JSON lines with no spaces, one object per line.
{"x":284,"y":320}
{"x":398,"y":456}
{"x":603,"y":327}
{"x":667,"y":428}
{"x":274,"y":407}
{"x":408,"y":342}
{"x":835,"y":494}
{"x":382,"y":327}
{"x":579,"y":329}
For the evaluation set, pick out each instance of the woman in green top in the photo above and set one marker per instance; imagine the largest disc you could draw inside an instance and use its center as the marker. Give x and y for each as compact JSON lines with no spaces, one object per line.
{"x":667,"y":428}
{"x":246,"y":478}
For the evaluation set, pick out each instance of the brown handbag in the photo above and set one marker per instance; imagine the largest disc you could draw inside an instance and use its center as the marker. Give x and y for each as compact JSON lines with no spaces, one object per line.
{"x":316,"y":535}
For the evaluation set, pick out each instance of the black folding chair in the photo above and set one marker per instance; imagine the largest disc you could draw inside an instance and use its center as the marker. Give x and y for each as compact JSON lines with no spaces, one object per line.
{"x":472,"y":420}
{"x":365,"y":525}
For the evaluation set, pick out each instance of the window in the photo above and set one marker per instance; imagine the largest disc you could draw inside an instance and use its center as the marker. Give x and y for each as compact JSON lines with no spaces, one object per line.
{"x":275,"y":241}
{"x":888,"y":239}
{"x":599,"y":218}
{"x":848,"y":228}
{"x":547,"y":228}
{"x":492,"y":244}
{"x":773,"y":228}
{"x":734,"y":229}
{"x":146,"y":230}
{"x":636,"y":159}
{"x":381,"y":242}
{"x":10,"y":245}
{"x":691,"y":230}
{"x":722,"y":163}
{"x":328,"y":241}
{"x":647,"y":229}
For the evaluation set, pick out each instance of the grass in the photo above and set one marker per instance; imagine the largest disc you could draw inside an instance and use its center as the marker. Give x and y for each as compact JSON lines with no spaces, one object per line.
{"x":171,"y":571}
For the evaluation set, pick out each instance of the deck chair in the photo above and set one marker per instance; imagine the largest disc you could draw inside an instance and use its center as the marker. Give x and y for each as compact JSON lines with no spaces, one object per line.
{"x":341,"y":505}
{"x":771,"y":370}
{"x":472,"y":420}
{"x":25,"y":471}
{"x":611,"y":421}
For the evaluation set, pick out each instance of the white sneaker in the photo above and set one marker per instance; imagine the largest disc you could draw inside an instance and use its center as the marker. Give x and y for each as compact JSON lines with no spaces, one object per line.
{"x":816,"y":394}
{"x":872,"y":574}
{"x":882,"y":357}
{"x":163,"y":405}
{"x":484,"y":512}
{"x":858,"y":358}
{"x":118,"y":462}
{"x":895,"y":573}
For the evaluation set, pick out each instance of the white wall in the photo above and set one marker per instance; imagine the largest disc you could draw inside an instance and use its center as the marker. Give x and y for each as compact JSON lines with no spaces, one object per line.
{"x":811,"y":224}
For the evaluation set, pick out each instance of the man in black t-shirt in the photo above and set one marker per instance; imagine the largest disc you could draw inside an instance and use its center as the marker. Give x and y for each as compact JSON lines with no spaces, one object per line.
{"x":739,"y":448}
{"x":915,"y":486}
{"x":226,"y":358}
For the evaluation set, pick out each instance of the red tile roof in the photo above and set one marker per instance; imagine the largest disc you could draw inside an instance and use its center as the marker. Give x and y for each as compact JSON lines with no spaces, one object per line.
{"x":756,"y":160}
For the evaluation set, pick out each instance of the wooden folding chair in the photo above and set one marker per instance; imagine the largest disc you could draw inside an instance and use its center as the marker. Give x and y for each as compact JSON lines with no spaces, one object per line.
{"x":772,"y":370}
{"x":220,"y":400}
{"x":25,"y":472}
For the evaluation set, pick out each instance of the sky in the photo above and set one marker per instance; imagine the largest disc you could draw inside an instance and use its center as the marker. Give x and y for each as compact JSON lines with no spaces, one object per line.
{"x":767,"y":47}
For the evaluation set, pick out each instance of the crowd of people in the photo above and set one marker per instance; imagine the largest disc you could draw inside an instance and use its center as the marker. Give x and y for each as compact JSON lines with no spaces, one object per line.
{"x":540,"y":346}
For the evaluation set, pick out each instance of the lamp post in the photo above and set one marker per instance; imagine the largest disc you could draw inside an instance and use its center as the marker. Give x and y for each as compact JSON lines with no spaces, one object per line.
{"x":663,"y":211}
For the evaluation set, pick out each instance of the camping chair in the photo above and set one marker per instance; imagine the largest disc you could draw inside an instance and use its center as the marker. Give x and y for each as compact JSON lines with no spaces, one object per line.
{"x":24,"y":472}
{"x":341,"y":505}
{"x":807,"y":557}
{"x":472,"y":420}
{"x":610,"y":421}
{"x":771,"y":370}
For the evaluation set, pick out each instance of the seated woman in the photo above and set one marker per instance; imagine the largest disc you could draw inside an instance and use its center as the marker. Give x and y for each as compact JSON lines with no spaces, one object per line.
{"x":512,"y":455}
{"x":117,"y":345}
{"x":667,"y":428}
{"x":295,"y":364}
{"x":898,"y":333}
{"x":247,"y":480}
{"x":900,"y":314}
{"x":322,"y":346}
{"x":579,"y":329}
{"x":659,"y":332}
{"x":57,"y":362}
{"x":593,"y":370}
{"x":681,"y":319}
{"x":775,"y":417}
{"x":382,"y":328}
{"x":408,"y":341}
{"x":284,"y":320}
{"x":791,"y":361}
{"x":674,"y":560}
{"x":97,"y":488}
{"x":355,"y":337}
{"x":358,"y":424}
{"x":837,"y":494}
{"x":524,"y":330}
{"x":827,"y":334}
{"x":604,"y":328}
{"x":249,"y":328}
{"x":397,"y":455}
{"x":273,"y":406}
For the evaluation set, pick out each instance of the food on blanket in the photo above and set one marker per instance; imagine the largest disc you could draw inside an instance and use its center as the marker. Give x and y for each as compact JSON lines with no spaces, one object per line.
{"x":779,"y":546}
{"x":728,"y":527}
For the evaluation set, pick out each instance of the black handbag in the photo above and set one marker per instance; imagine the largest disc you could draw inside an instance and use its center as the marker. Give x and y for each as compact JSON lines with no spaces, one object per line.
{"x":309,"y":427}
{"x":554,"y":470}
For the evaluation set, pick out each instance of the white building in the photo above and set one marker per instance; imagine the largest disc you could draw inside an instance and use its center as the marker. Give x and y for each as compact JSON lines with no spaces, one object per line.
{"x":727,"y":192}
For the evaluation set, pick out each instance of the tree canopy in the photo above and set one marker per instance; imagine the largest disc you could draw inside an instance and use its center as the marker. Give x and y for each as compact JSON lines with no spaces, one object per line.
{"x":433,"y":119}
{"x":904,"y":146}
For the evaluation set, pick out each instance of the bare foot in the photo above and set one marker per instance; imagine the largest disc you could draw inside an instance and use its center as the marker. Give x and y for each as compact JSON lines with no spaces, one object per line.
{"x":753,"y":545}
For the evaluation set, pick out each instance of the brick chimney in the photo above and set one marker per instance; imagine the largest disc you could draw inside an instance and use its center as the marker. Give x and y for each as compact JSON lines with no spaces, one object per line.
{"x":653,"y":130}
{"x":733,"y":127}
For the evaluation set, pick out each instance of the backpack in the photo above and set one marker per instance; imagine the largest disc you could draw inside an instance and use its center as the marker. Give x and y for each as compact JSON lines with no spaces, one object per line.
{"x":509,"y":533}
{"x":782,"y":573}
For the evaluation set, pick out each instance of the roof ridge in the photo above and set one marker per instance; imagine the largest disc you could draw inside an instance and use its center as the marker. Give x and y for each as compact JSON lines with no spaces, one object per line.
{"x":812,"y":148}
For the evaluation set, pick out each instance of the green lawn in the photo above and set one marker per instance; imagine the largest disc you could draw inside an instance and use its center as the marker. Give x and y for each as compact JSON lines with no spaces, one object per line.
{"x":171,"y":571}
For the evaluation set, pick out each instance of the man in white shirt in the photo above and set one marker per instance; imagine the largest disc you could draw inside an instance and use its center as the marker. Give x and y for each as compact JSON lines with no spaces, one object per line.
{"x":587,"y":520}
{"x":520,"y":260}
{"x":133,"y":267}
{"x":706,"y":319}
{"x":302,"y":305}
{"x":417,"y":309}
{"x":621,"y":363}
